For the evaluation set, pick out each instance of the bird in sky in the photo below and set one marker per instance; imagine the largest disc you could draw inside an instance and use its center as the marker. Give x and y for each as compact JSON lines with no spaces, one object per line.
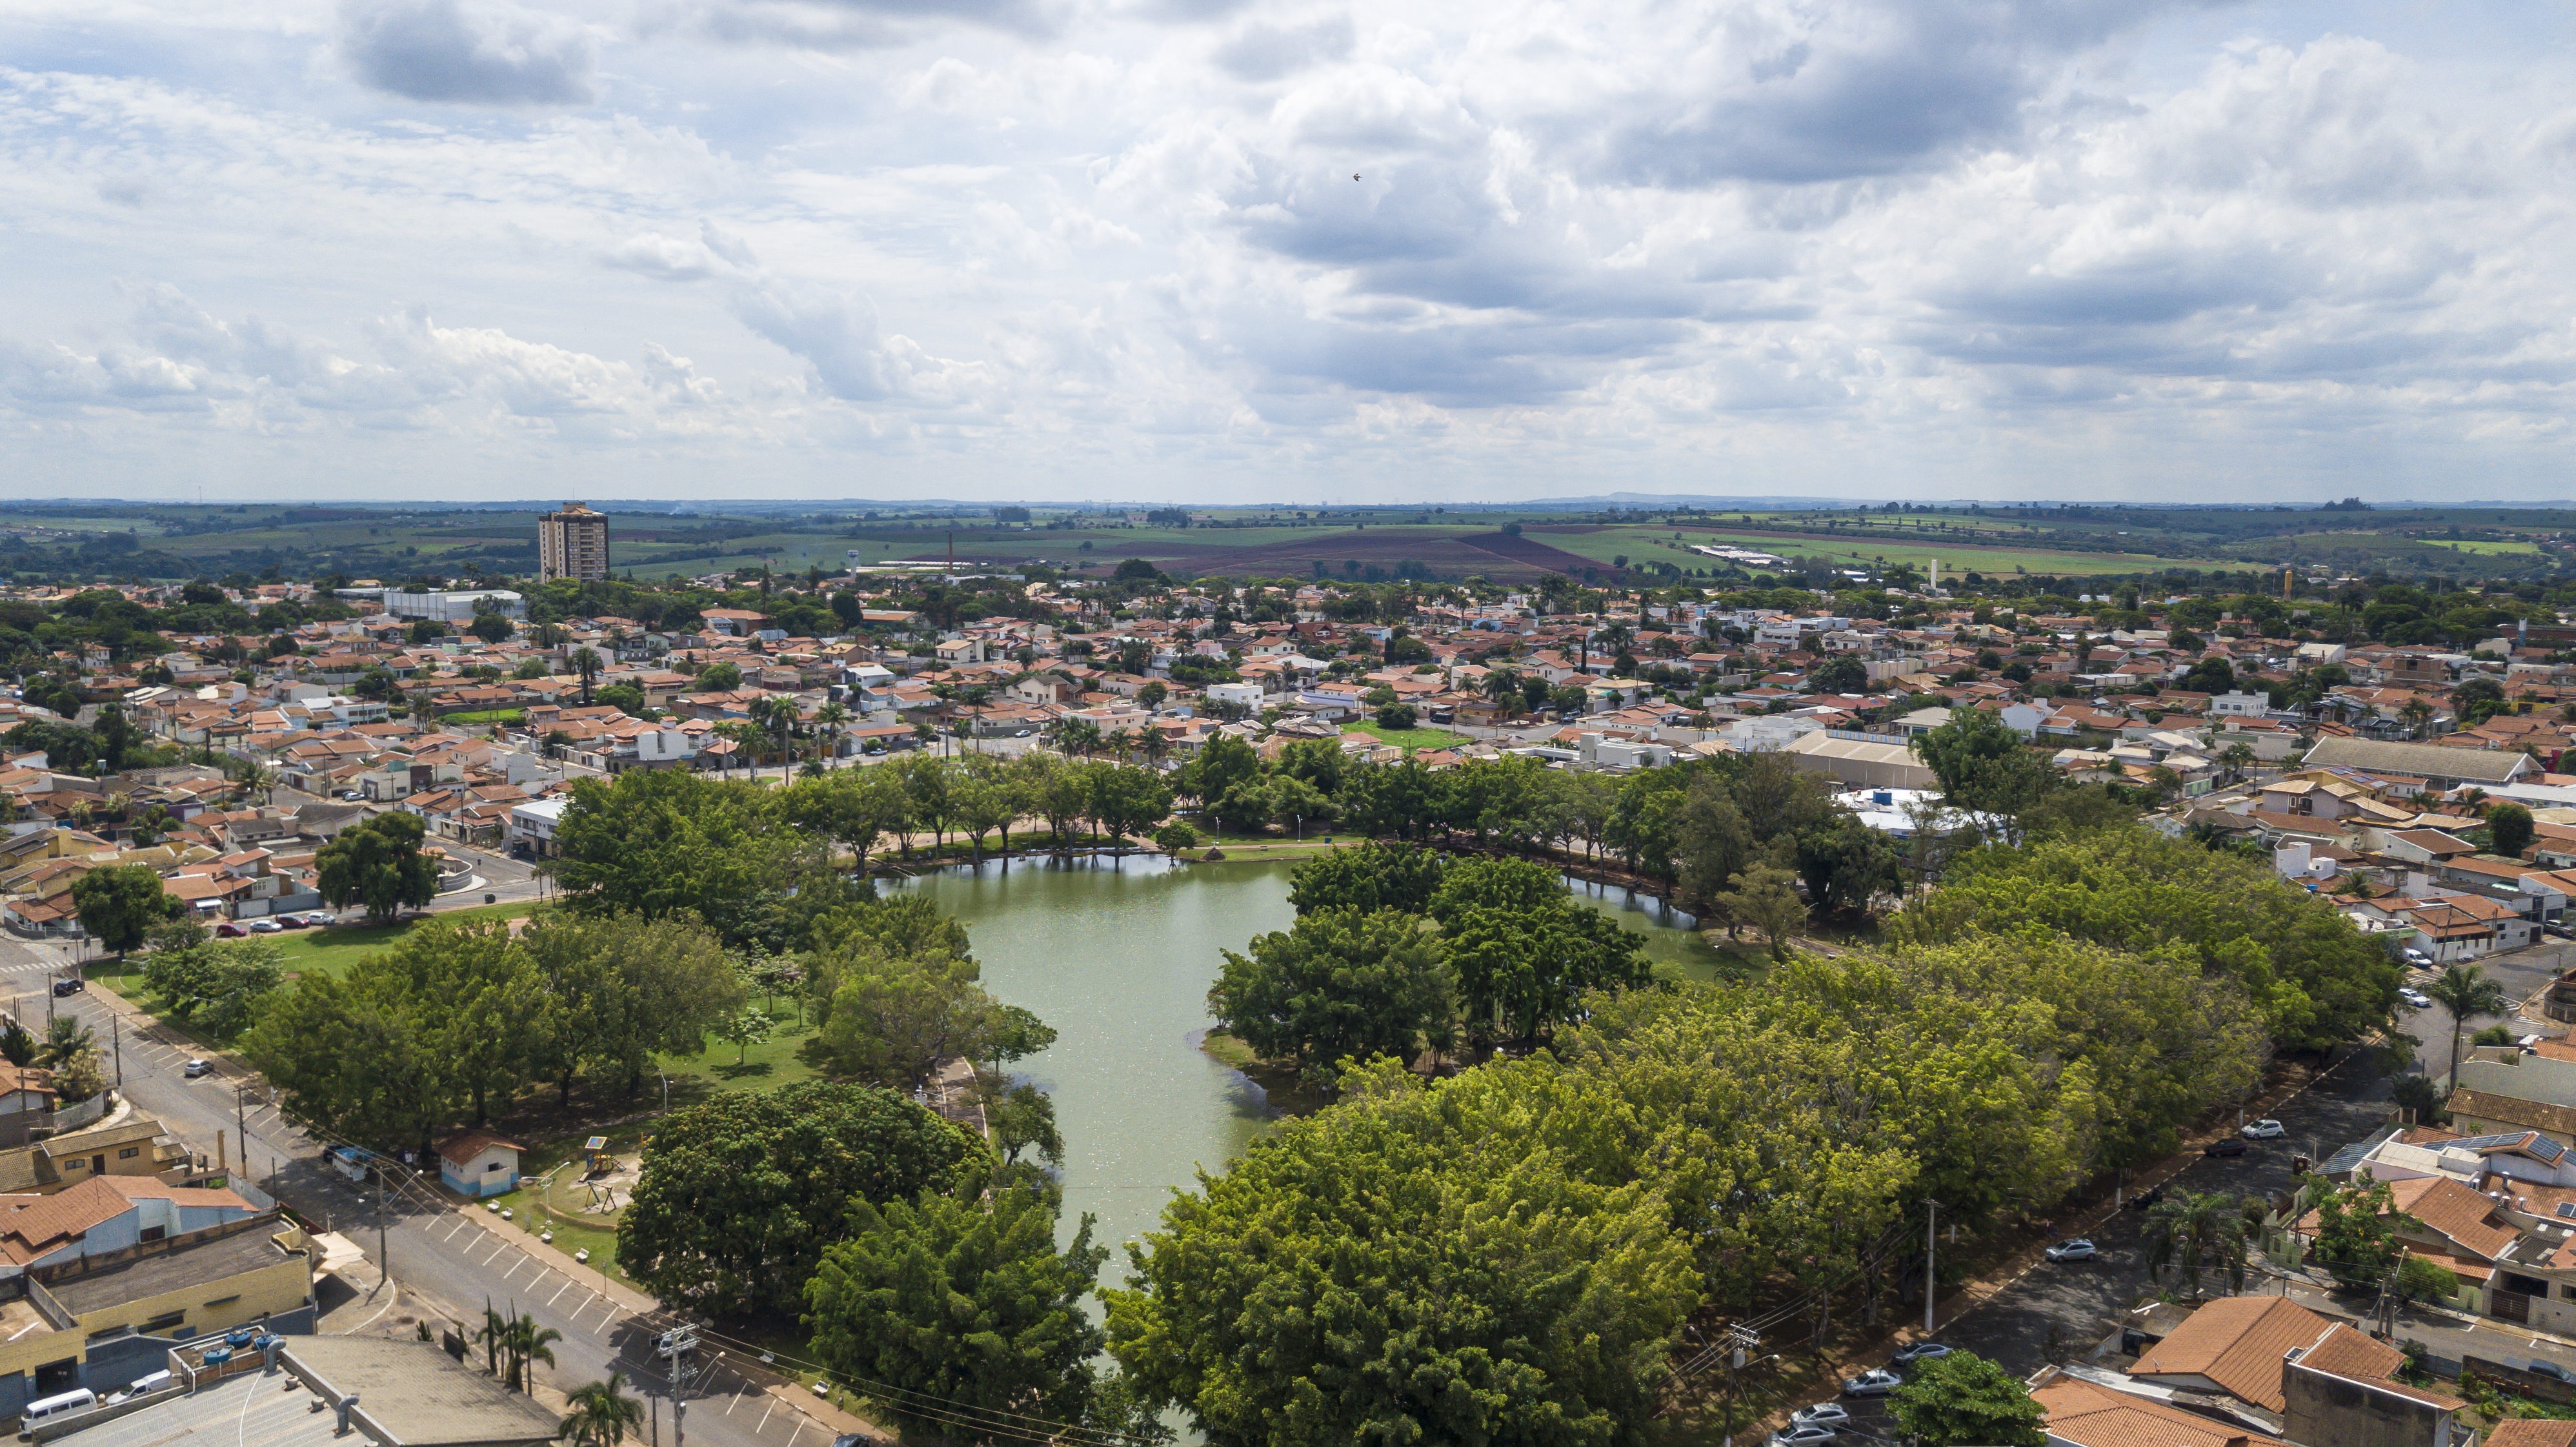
{"x":1355,"y":175}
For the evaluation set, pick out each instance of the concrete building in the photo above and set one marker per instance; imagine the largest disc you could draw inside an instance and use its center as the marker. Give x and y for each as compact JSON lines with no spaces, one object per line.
{"x":446,"y":605}
{"x":572,"y":543}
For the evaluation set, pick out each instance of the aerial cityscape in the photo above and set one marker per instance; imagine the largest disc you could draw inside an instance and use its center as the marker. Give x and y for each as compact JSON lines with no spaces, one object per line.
{"x":834,"y":723}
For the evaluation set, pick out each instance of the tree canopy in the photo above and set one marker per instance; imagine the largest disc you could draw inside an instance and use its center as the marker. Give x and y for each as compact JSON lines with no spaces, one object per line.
{"x":378,"y":863}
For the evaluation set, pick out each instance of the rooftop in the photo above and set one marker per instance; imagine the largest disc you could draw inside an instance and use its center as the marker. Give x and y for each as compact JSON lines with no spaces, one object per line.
{"x":193,"y":1264}
{"x":415,"y":1395}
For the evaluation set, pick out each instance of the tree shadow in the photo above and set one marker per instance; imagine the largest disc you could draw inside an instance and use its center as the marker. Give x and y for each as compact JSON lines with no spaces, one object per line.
{"x":751,"y":1070}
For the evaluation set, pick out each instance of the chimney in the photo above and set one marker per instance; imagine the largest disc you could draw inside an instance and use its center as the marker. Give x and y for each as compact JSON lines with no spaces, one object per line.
{"x":348,"y":1405}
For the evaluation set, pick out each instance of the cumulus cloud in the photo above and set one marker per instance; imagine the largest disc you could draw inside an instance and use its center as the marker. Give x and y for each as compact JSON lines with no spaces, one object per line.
{"x":482,"y":54}
{"x":1264,"y":51}
{"x":835,"y":334}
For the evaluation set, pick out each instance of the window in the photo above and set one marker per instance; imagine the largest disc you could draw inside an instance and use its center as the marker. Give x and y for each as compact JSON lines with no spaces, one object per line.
{"x":223,"y":1301}
{"x":164,"y":1324}
{"x":129,"y":1153}
{"x":74,"y":1163}
{"x":496,"y":1165}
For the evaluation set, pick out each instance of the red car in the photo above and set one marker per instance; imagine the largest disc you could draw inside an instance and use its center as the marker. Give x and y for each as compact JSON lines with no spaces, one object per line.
{"x":230,"y":931}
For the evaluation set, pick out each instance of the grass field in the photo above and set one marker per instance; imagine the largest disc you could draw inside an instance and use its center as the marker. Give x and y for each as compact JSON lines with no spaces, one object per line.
{"x":2479,"y":545}
{"x":485,"y":716}
{"x":332,"y":951}
{"x":1411,"y":740}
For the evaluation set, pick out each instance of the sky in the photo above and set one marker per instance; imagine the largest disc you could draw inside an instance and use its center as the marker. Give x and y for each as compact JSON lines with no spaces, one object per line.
{"x":1215,"y":251}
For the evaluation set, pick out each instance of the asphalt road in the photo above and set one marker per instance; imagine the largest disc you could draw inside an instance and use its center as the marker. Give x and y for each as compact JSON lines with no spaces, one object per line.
{"x":443,"y":1261}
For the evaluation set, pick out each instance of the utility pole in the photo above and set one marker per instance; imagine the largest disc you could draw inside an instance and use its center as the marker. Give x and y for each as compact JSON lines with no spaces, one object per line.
{"x":384,"y":1255}
{"x":1931,"y":1212}
{"x":116,"y":1039}
{"x":1745,"y":1340}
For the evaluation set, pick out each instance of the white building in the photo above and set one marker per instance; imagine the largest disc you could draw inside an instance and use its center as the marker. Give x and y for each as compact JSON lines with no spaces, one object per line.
{"x":534,"y":824}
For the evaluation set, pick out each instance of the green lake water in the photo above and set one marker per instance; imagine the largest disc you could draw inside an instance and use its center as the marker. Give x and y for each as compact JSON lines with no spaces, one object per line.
{"x":1118,"y":955}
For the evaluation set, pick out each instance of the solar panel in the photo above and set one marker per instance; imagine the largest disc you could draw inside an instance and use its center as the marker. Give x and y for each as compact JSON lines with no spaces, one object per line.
{"x":2567,"y":1209}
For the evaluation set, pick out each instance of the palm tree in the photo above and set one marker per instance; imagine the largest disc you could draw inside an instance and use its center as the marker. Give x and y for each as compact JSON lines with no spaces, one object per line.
{"x":1079,"y":737}
{"x":494,"y":1336}
{"x":2236,"y":757}
{"x":2467,"y":990}
{"x":831,"y":718}
{"x":783,"y":714}
{"x":65,"y":1037}
{"x":600,"y":1414}
{"x":2194,"y":1233}
{"x":528,"y":1342}
{"x":1502,"y":686}
{"x":585,"y":661}
{"x":2417,"y":714}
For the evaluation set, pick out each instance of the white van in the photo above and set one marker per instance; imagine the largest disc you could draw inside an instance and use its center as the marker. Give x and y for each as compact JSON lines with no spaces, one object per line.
{"x":58,"y":1405}
{"x":140,"y":1386}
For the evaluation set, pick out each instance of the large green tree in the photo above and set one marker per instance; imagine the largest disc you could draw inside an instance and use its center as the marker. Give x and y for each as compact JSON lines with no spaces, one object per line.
{"x":1366,"y":878}
{"x":617,"y":990}
{"x":1982,"y":764}
{"x":1964,"y":1400}
{"x":896,"y":1019}
{"x":1419,"y":1264}
{"x":379,"y":863}
{"x":1337,"y":983}
{"x":960,"y":1303}
{"x":120,"y":904}
{"x":218,"y":985}
{"x":1524,"y":951}
{"x":740,"y":1194}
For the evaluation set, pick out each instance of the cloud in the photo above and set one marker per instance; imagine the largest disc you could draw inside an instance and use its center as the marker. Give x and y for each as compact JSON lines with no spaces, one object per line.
{"x":485,"y":54}
{"x":835,"y":334}
{"x":1267,"y":52}
{"x":846,"y":25}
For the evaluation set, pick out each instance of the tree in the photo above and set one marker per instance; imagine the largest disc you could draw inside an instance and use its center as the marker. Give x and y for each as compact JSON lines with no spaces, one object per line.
{"x":586,"y":664}
{"x":1365,"y":879}
{"x":961,"y":1302}
{"x":601,"y":1414}
{"x":1523,"y":951}
{"x":617,"y":990}
{"x":896,"y":1020}
{"x":1842,"y":673}
{"x":2465,"y":990}
{"x":1338,"y":984}
{"x":1964,"y":1400}
{"x":218,"y":985}
{"x":1766,"y":897}
{"x":527,"y":1344}
{"x":743,"y":1028}
{"x":2191,"y":1232}
{"x":1417,"y":1264}
{"x":740,"y":1194}
{"x":379,"y":863}
{"x":1982,"y":764}
{"x":1023,"y":1118}
{"x":719,"y":678}
{"x":2357,"y":1231}
{"x":2509,"y":829}
{"x":118,"y":905}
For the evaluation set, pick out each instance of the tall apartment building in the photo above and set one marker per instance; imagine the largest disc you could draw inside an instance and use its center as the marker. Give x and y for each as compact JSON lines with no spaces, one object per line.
{"x":572,"y":543}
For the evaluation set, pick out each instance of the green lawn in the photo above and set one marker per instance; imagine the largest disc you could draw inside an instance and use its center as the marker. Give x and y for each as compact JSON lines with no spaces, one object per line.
{"x":1412,"y":739}
{"x":783,"y":1059}
{"x":485,"y":716}
{"x":332,"y":951}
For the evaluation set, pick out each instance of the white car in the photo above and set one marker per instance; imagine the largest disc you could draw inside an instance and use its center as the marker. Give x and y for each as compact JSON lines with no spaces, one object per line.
{"x":1823,"y":1414}
{"x":264,"y":927}
{"x":2078,"y":1249}
{"x":2264,"y":1130}
{"x":1876,"y":1382}
{"x":2415,"y":998}
{"x":196,"y":1068}
{"x":1921,"y":1351}
{"x":1800,"y":1434}
{"x":320,"y":918}
{"x":2416,"y":957}
{"x":675,"y":1343}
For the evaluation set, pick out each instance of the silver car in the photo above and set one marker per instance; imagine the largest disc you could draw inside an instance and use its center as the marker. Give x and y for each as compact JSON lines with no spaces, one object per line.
{"x":1876,"y":1382}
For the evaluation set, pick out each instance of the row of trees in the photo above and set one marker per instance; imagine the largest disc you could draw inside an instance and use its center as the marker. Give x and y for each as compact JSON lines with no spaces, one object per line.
{"x":461,"y":1016}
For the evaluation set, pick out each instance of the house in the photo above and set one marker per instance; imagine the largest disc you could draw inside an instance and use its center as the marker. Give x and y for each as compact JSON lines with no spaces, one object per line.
{"x":478,"y":1163}
{"x":2439,"y":767}
{"x":27,"y":1098}
{"x":2233,"y":1346}
{"x":2509,"y":1088}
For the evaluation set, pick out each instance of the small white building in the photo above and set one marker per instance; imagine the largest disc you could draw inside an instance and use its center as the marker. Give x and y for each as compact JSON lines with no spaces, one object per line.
{"x":479,"y":1163}
{"x":534,"y":824}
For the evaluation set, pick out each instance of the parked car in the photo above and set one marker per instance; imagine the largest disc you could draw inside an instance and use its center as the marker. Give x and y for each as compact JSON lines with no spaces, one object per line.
{"x":196,"y":1068}
{"x":1876,"y":1382}
{"x":2146,"y":1198}
{"x":319,"y":918}
{"x":677,"y":1343}
{"x":2417,"y":957}
{"x":1823,"y":1414}
{"x":289,"y":921}
{"x":264,"y":926}
{"x":1800,"y":1434}
{"x":2415,"y":998}
{"x":69,"y":985}
{"x":2553,"y":1371}
{"x":350,"y":796}
{"x":1921,"y":1351}
{"x":229,"y":931}
{"x":2225,"y":1146}
{"x":2264,"y":1130}
{"x":2078,"y":1249}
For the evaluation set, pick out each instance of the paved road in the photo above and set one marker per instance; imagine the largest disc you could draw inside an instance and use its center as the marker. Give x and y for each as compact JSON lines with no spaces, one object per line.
{"x":445,"y":1262}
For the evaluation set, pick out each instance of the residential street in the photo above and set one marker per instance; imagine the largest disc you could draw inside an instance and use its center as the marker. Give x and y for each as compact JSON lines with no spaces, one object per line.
{"x":446,"y":1263}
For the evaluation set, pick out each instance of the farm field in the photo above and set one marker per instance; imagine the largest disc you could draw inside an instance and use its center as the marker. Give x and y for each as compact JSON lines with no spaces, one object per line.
{"x":1654,"y":543}
{"x":2491,"y":546}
